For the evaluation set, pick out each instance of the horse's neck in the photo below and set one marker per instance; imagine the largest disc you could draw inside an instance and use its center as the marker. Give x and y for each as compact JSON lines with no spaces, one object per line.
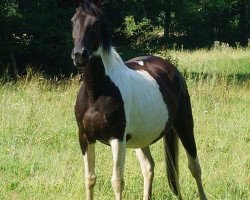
{"x":102,"y":65}
{"x":112,"y":61}
{"x":94,"y":77}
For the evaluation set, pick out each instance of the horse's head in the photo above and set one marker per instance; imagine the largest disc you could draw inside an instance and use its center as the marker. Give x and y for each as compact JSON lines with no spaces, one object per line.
{"x":89,"y":31}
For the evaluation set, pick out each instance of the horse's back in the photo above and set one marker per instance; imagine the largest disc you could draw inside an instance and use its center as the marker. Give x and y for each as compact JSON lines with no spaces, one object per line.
{"x":154,"y":65}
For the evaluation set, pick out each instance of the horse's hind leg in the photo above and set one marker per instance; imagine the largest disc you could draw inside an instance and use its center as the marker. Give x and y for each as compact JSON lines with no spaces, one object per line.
{"x":194,"y":166}
{"x":184,"y":127}
{"x":147,"y":167}
{"x":187,"y":138}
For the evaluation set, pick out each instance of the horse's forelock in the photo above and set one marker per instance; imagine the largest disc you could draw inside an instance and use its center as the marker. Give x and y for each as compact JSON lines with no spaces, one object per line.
{"x":91,"y":8}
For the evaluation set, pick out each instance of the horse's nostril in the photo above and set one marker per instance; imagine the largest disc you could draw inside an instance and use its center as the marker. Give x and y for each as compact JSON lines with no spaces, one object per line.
{"x":78,"y":56}
{"x":85,"y":54}
{"x":73,"y":53}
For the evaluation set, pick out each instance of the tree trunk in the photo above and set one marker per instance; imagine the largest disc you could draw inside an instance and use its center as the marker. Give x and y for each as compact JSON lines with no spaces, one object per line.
{"x":167,"y":21}
{"x":13,"y":69}
{"x":216,"y":32}
{"x":9,"y":68}
{"x":243,"y":24}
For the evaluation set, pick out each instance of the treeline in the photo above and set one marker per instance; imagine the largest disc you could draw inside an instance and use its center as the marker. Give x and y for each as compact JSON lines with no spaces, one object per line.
{"x":37,"y":34}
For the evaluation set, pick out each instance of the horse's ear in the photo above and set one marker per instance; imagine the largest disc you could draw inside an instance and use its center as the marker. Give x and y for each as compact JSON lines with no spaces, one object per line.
{"x":77,"y":3}
{"x":98,"y":3}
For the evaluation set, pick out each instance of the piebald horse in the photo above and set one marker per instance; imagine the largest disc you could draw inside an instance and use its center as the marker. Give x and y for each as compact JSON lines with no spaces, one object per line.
{"x":129,"y":105}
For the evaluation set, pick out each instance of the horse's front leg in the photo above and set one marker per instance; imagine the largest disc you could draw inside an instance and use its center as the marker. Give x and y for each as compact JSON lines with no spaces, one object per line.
{"x":118,"y":151}
{"x":89,"y":165}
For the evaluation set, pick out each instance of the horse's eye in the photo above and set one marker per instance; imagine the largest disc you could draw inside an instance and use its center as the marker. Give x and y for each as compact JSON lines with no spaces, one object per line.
{"x":97,"y":23}
{"x":95,"y":28}
{"x":72,"y":22}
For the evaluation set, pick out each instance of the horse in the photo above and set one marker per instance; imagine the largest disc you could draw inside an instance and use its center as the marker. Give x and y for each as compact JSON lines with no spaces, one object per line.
{"x":128,"y":104}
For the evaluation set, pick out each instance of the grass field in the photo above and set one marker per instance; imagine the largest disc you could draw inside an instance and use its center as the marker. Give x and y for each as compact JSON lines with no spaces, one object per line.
{"x":40,"y":156}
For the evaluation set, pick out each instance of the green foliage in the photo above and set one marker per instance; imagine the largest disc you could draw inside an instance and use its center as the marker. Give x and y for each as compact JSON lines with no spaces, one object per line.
{"x":130,"y":26}
{"x":11,"y":9}
{"x":9,"y":17}
{"x":38,"y":33}
{"x":138,"y":33}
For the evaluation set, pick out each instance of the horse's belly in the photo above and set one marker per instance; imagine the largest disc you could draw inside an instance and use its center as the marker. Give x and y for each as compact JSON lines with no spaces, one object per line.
{"x":140,"y":140}
{"x":146,"y":114}
{"x":145,"y":127}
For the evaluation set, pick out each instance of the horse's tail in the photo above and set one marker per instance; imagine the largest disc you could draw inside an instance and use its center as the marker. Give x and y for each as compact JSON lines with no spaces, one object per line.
{"x":171,"y":157}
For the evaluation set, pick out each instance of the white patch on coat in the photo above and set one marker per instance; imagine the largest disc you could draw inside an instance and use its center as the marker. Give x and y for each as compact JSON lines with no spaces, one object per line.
{"x":145,"y":110}
{"x":141,"y":63}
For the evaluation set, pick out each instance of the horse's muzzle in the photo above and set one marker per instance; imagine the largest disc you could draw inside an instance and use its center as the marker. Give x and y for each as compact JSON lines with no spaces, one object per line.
{"x":80,"y":58}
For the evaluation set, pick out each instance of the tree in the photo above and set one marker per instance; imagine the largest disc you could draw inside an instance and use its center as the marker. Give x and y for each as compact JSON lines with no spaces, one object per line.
{"x":47,"y":25}
{"x":243,"y":23}
{"x":9,"y":16}
{"x":38,"y":33}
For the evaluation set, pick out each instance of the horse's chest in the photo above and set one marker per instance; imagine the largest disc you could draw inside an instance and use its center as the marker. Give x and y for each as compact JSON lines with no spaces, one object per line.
{"x":105,"y":119}
{"x":94,"y":123}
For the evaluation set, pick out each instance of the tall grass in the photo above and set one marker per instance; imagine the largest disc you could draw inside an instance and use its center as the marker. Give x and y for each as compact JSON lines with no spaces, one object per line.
{"x":40,"y":157}
{"x":228,"y":63}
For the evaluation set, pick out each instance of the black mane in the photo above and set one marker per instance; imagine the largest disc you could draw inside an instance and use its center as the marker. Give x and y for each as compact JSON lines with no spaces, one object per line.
{"x":89,"y":8}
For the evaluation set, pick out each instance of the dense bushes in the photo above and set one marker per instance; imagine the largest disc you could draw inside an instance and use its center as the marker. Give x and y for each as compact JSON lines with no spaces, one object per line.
{"x":37,"y":34}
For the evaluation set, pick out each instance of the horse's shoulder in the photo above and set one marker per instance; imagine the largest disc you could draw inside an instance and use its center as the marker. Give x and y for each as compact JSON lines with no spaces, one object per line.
{"x":81,"y":104}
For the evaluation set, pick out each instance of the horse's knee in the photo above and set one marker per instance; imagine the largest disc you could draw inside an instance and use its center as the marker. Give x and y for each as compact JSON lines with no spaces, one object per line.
{"x":148,"y":171}
{"x":149,"y":174}
{"x":118,"y":185}
{"x":90,"y":182}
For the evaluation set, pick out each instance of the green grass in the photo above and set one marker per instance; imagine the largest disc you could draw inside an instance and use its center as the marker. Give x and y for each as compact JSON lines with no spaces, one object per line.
{"x":228,"y":63}
{"x":40,"y":156}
